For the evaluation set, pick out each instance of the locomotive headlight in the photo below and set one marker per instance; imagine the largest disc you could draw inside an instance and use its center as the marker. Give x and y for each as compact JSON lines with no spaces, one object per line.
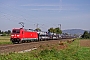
{"x":18,"y":35}
{"x":12,"y":35}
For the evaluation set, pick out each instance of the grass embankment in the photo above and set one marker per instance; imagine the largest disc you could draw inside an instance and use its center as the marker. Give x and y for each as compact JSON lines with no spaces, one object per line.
{"x":73,"y":51}
{"x":5,"y":40}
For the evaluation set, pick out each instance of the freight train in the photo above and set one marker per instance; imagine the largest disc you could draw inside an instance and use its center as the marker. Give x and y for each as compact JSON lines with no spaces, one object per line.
{"x":19,"y":35}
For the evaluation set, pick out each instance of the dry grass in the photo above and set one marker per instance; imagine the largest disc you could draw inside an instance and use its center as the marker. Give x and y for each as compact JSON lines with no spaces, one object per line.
{"x":61,"y":43}
{"x":5,"y":40}
{"x":70,"y":41}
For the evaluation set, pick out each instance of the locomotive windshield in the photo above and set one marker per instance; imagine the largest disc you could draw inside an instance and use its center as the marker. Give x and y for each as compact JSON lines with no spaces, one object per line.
{"x":16,"y":31}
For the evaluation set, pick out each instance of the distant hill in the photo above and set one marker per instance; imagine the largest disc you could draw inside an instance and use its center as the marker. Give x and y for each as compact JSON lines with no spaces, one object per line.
{"x":74,"y":31}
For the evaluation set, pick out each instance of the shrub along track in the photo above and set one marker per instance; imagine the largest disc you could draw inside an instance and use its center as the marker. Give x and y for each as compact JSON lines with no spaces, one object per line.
{"x":24,"y":46}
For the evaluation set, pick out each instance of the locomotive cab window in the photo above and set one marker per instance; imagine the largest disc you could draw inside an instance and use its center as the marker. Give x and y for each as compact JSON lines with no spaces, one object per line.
{"x":16,"y":31}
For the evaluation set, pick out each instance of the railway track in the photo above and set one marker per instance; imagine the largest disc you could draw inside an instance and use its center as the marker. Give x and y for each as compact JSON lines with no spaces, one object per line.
{"x":17,"y":47}
{"x":24,"y":46}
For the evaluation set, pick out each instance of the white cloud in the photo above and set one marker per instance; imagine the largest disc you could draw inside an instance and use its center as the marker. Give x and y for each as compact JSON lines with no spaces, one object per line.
{"x":40,"y":5}
{"x":52,"y":7}
{"x":45,"y":9}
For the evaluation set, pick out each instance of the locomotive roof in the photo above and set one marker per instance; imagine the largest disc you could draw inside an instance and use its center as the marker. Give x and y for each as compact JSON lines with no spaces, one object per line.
{"x":17,"y":28}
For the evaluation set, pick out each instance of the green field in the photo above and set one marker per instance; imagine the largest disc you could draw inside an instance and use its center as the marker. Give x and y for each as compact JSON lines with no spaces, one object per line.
{"x":73,"y":52}
{"x":5,"y":40}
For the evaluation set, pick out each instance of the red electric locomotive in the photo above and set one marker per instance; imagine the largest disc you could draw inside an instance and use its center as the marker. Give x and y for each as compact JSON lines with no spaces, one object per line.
{"x":19,"y":35}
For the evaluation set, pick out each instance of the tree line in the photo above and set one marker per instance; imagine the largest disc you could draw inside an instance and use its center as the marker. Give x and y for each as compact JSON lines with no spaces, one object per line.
{"x":86,"y":35}
{"x":5,"y":33}
{"x":56,"y":30}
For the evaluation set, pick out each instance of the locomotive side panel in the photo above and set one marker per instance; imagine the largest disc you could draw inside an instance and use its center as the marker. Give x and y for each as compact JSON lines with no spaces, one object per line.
{"x":29,"y":35}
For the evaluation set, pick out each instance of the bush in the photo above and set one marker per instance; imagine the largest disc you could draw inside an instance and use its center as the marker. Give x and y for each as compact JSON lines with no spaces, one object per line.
{"x":86,"y":35}
{"x":4,"y":34}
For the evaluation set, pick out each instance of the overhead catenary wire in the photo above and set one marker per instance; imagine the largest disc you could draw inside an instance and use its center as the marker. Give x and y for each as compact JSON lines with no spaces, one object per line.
{"x":16,"y":19}
{"x":24,"y":19}
{"x":22,"y":15}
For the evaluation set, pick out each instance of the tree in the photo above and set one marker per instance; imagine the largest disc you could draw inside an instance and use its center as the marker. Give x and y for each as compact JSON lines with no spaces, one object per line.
{"x":9,"y":31}
{"x":89,"y":34}
{"x":38,"y":29}
{"x":4,"y":34}
{"x":0,"y":32}
{"x":51,"y":30}
{"x":85,"y":35}
{"x":57,"y":30}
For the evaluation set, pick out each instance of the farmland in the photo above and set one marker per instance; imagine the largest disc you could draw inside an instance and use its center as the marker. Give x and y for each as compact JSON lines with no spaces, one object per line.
{"x":49,"y":50}
{"x":5,"y":40}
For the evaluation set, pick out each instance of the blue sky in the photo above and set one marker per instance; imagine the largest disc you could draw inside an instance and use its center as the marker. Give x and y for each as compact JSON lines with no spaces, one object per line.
{"x":71,"y":14}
